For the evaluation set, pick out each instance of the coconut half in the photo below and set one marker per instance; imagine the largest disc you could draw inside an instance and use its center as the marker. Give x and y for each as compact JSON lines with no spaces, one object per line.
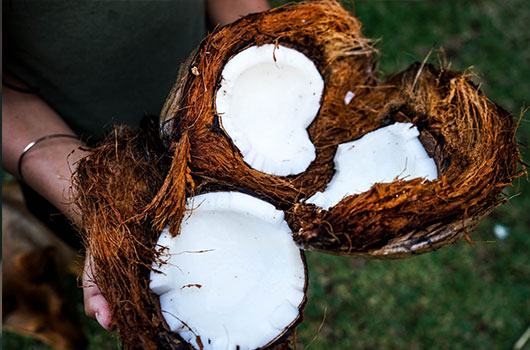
{"x":233,"y":278}
{"x":268,"y":97}
{"x":381,"y":156}
{"x":264,"y":103}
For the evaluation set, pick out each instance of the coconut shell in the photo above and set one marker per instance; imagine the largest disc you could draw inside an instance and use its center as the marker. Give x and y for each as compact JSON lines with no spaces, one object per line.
{"x":136,"y":182}
{"x":329,"y":36}
{"x":122,"y":191}
{"x":473,"y":143}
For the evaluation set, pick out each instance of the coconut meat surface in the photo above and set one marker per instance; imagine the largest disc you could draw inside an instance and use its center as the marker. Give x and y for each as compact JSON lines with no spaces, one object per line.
{"x":233,"y":278}
{"x":384,"y":155}
{"x":268,"y":97}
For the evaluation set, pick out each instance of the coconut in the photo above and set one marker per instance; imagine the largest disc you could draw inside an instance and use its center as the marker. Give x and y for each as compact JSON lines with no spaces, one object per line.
{"x":457,"y":151}
{"x":267,"y":121}
{"x":472,"y":142}
{"x":121,"y":190}
{"x":238,"y":286}
{"x":317,"y":46}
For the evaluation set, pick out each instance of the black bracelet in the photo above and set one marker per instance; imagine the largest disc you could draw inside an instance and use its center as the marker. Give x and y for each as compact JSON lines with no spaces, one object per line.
{"x":32,"y":144}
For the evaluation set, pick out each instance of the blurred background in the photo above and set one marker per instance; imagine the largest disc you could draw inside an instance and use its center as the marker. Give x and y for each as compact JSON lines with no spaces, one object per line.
{"x":458,"y":297}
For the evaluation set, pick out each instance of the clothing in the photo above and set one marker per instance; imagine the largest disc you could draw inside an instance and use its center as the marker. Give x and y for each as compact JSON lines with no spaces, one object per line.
{"x":97,"y":63}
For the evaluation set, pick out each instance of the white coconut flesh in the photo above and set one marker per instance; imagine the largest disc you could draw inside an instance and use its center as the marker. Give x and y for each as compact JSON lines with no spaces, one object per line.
{"x":384,"y":155}
{"x":233,"y":278}
{"x":268,"y":97}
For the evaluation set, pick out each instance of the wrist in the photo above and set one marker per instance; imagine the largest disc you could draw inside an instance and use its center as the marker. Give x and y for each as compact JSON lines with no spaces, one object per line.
{"x":48,"y":167}
{"x":35,"y":143}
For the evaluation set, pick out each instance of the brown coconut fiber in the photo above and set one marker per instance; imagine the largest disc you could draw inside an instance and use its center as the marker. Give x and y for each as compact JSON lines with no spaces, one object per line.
{"x":472,"y":141}
{"x":136,"y":182}
{"x":325,"y":33}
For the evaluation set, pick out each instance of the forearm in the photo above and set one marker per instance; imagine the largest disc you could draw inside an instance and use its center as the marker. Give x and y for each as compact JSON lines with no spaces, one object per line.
{"x":221,"y":12}
{"x":48,"y":166}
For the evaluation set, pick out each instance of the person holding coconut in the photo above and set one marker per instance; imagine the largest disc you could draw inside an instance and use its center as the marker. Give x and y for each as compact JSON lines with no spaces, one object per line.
{"x":73,"y":71}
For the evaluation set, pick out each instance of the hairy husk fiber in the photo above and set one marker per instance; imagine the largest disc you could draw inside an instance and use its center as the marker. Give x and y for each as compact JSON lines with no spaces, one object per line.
{"x":118,"y":191}
{"x":472,"y":141}
{"x":136,"y":182}
{"x":325,"y":33}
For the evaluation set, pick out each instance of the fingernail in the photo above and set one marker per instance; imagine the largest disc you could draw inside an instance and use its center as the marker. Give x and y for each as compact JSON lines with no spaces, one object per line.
{"x":98,"y":318}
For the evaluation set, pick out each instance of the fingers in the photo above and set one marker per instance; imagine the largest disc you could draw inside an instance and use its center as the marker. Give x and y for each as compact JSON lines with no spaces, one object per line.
{"x":96,"y":306}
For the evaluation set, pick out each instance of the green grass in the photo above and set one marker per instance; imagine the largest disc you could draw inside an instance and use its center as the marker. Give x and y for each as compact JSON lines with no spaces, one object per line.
{"x":458,"y":297}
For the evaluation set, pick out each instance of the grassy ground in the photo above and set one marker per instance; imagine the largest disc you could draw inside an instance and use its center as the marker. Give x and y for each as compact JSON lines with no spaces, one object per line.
{"x":458,"y":297}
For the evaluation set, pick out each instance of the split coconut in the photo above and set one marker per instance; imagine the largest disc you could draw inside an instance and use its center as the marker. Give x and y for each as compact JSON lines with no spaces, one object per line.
{"x":233,"y":278}
{"x":268,"y":97}
{"x":133,"y":188}
{"x":472,"y":143}
{"x":264,"y":101}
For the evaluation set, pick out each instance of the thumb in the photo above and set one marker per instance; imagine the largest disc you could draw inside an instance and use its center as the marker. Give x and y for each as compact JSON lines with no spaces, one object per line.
{"x":96,"y":307}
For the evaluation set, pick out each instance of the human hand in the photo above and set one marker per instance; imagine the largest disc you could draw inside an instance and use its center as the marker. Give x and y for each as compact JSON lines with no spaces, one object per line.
{"x":96,"y":307}
{"x":47,"y":168}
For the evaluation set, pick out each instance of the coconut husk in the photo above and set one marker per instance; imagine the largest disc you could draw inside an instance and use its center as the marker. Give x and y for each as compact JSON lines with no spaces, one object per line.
{"x":328,"y":35}
{"x":472,"y":141}
{"x":119,"y":189}
{"x":136,"y":182}
{"x":122,"y":191}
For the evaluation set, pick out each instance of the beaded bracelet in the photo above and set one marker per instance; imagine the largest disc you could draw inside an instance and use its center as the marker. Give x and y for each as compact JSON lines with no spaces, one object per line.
{"x":33,"y":144}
